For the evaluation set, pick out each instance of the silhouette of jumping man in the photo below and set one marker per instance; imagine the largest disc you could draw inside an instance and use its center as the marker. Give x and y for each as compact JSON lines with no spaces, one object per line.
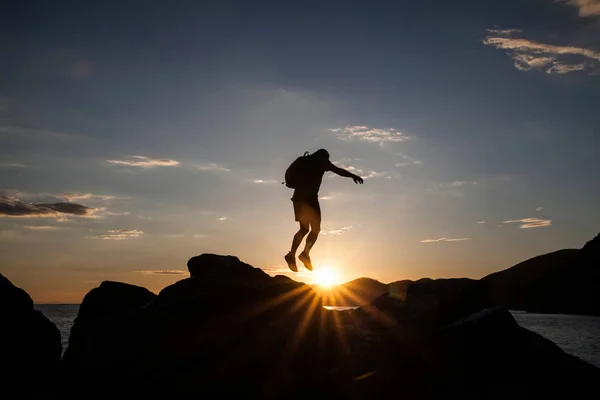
{"x":306,"y":202}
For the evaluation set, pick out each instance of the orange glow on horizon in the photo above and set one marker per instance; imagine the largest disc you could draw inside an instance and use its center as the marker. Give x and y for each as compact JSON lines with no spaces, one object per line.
{"x":326,"y":276}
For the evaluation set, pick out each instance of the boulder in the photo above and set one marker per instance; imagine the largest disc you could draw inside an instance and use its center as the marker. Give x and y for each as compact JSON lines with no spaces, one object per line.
{"x":109,"y":301}
{"x":31,"y":345}
{"x":229,"y":328}
{"x":488,"y":355}
{"x":437,"y":302}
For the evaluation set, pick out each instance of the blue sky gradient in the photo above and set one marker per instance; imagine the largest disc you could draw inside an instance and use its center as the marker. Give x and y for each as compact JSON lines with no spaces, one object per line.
{"x":475,"y":124}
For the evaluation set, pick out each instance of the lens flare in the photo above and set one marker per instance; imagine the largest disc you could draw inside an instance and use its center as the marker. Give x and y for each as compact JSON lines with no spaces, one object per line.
{"x":326,"y":276}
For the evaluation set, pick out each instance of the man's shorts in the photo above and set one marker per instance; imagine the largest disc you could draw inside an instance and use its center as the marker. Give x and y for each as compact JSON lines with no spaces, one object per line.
{"x":307,"y":211}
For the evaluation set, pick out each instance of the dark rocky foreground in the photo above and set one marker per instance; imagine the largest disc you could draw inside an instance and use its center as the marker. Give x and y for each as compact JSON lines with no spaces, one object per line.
{"x":30,"y":346}
{"x":232,"y":329}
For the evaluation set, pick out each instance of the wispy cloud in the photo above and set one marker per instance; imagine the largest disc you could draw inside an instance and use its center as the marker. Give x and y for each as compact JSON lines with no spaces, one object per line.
{"x":12,"y":165}
{"x":42,"y":227}
{"x":264,"y":181}
{"x":286,"y":271}
{"x":222,"y":218}
{"x":481,"y":222}
{"x":406,"y":160}
{"x":529,"y":55}
{"x":119,"y":234}
{"x":339,"y":231}
{"x":38,"y":133}
{"x":145,"y":162}
{"x":375,"y":135}
{"x":587,"y":8}
{"x":539,"y":209}
{"x":443,"y":239}
{"x":454,"y":188}
{"x":13,"y":207}
{"x":530,"y":222}
{"x":162,"y":272}
{"x":364,"y":173}
{"x":87,"y":196}
{"x":212,"y":167}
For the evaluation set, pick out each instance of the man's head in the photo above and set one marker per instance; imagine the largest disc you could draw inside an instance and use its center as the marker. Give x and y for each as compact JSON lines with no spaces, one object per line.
{"x":322,"y":155}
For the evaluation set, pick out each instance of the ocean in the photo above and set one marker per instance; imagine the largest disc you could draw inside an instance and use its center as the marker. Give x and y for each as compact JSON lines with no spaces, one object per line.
{"x":576,"y":334}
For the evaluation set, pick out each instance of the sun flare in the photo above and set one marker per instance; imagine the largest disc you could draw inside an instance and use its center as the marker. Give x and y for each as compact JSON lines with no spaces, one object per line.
{"x":326,"y":276}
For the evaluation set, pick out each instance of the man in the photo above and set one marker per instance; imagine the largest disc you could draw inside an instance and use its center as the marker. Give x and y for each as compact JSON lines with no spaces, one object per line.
{"x":306,"y":205}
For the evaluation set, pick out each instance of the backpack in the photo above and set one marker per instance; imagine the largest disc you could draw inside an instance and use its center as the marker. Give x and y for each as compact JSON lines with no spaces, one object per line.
{"x":294,"y":173}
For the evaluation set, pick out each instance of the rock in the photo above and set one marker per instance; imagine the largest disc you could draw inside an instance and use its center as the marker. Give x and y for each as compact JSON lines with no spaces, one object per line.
{"x":427,"y":303}
{"x":109,"y":300}
{"x":488,"y":355}
{"x":564,"y":281}
{"x":230,"y":328}
{"x":112,"y":298}
{"x":31,"y":345}
{"x":441,"y":301}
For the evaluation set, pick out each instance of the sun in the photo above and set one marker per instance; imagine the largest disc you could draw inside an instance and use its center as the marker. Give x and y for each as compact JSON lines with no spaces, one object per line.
{"x":326,"y":276}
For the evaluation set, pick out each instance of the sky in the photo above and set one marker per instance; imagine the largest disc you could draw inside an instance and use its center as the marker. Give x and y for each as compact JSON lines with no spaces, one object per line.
{"x":135,"y":135}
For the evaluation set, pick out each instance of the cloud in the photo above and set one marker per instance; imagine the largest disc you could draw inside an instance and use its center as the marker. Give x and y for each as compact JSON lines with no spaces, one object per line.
{"x":13,"y":207}
{"x":367,"y":134}
{"x":539,"y":208}
{"x":41,"y":227}
{"x":530,"y":222}
{"x":163,"y":272}
{"x":529,"y":55}
{"x":364,"y":173}
{"x":587,"y":8}
{"x":119,"y":234}
{"x":86,"y":196}
{"x":221,"y":218}
{"x":12,"y":165}
{"x":406,"y":160}
{"x":264,"y":181}
{"x":146,"y":162}
{"x":325,"y":198}
{"x":39,"y":133}
{"x":481,"y":222}
{"x":212,"y":167}
{"x":443,"y":239}
{"x":454,"y":188}
{"x":340,"y":231}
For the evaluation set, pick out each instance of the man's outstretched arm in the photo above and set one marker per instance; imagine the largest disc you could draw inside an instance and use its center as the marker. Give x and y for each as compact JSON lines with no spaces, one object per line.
{"x":347,"y":174}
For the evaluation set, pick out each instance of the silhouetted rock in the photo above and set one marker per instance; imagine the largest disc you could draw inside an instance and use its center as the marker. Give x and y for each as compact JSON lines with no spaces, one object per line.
{"x":564,"y":281}
{"x":110,"y":300}
{"x":231,"y":329}
{"x":427,"y":303}
{"x":498,"y":359}
{"x":31,"y":346}
{"x":444,"y":300}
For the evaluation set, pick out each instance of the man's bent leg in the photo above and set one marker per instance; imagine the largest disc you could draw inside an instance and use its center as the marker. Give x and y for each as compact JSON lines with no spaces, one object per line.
{"x":299,"y":236}
{"x":315,"y":228}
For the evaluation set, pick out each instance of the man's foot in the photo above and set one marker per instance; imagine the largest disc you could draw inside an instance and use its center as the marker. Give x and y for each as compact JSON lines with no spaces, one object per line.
{"x":305,"y":260}
{"x":291,"y":261}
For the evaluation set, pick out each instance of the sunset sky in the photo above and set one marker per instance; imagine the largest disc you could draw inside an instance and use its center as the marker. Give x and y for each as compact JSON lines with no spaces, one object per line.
{"x":135,"y":135}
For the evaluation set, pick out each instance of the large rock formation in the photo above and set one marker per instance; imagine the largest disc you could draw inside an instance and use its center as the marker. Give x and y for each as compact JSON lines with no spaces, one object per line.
{"x":111,"y":301}
{"x":31,"y":346}
{"x":232,"y":329}
{"x":564,"y":281}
